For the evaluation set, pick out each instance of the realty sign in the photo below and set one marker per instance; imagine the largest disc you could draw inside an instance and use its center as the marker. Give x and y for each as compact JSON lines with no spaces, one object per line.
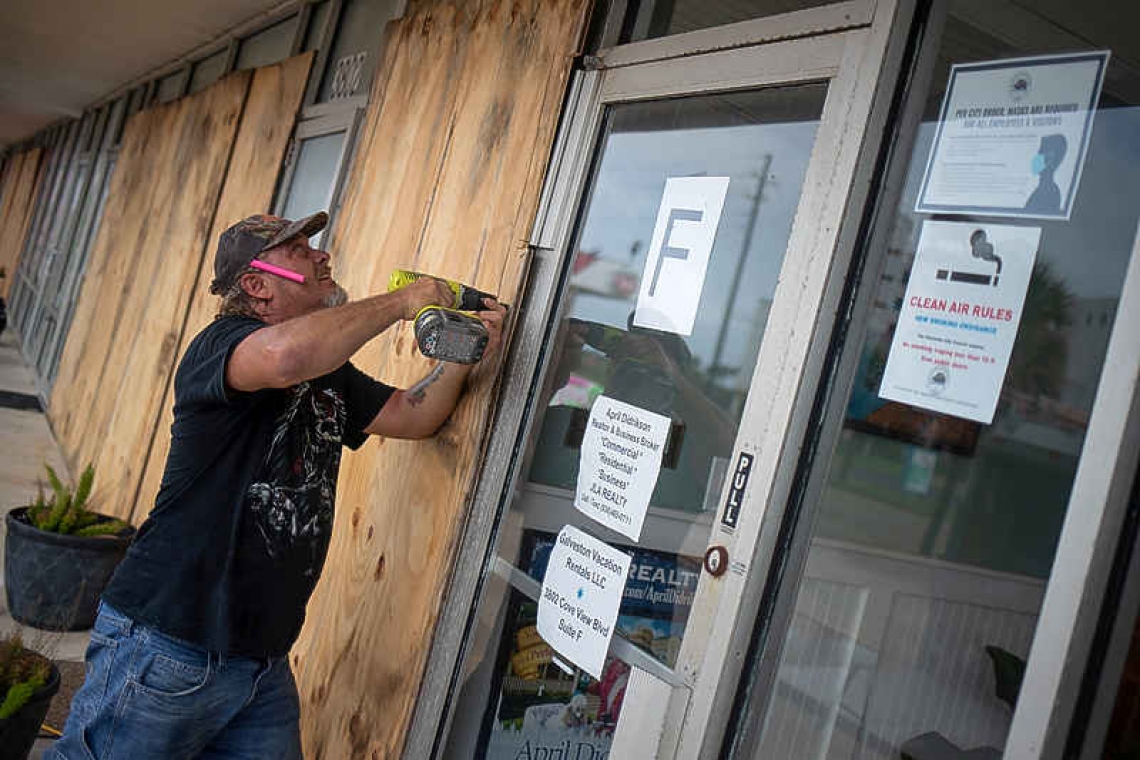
{"x":620,"y":462}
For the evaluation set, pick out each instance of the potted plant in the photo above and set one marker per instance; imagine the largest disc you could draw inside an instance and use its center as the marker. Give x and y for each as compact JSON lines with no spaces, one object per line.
{"x":59,"y":556}
{"x":28,"y":681}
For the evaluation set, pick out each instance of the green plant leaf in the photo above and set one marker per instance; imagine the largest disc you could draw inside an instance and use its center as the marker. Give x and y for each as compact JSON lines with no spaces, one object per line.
{"x":37,"y":514}
{"x":106,"y":528}
{"x":22,"y":673}
{"x":55,"y":516}
{"x":17,"y":697}
{"x":56,"y":484}
{"x":61,"y":503}
{"x":87,"y":518}
{"x":83,"y":490}
{"x":20,"y":694}
{"x":69,"y":519}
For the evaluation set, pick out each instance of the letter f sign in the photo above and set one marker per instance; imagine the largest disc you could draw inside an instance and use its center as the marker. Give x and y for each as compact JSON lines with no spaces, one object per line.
{"x":679,"y":251}
{"x":671,"y":252}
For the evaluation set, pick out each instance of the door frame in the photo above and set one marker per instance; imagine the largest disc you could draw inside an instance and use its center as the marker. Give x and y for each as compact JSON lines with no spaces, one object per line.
{"x":1094,"y":519}
{"x":855,"y":47}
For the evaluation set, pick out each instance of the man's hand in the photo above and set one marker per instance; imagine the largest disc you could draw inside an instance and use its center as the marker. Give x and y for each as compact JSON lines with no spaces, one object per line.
{"x":426,"y":291}
{"x":492,"y":318}
{"x":420,"y":413}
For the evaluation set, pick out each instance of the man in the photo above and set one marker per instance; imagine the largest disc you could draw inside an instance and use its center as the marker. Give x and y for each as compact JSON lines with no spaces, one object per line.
{"x":188,"y":654}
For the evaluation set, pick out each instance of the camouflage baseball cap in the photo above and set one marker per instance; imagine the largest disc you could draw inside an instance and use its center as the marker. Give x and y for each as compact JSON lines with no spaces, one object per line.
{"x":242,"y":243}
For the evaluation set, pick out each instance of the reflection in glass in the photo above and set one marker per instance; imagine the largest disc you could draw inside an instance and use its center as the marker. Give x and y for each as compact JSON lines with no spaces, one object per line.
{"x":761,"y":141}
{"x":207,"y":71}
{"x":936,"y":535}
{"x":662,"y":18}
{"x":312,"y":185}
{"x":169,"y":87}
{"x":516,"y":695}
{"x":267,"y":46}
{"x":319,"y":16}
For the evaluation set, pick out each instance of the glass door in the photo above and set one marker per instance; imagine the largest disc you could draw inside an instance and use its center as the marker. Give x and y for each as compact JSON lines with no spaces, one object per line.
{"x":926,"y":546}
{"x":694,"y":234}
{"x":758,"y":143}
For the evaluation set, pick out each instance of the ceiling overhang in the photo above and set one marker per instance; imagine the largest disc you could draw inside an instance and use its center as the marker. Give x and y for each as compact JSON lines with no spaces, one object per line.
{"x":61,"y":56}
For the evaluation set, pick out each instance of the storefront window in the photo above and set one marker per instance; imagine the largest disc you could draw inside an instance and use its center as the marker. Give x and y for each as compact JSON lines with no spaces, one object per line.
{"x":317,"y":20}
{"x":208,"y":70}
{"x":941,"y":514}
{"x":661,"y":18}
{"x":312,"y":183}
{"x":746,"y":153}
{"x":268,"y":46}
{"x":170,"y":87}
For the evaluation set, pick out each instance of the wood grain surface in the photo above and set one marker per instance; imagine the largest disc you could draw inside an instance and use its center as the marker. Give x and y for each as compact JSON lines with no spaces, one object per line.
{"x":18,"y":189}
{"x":121,"y":347}
{"x":262,"y":139}
{"x":446,"y":180}
{"x":186,"y":171}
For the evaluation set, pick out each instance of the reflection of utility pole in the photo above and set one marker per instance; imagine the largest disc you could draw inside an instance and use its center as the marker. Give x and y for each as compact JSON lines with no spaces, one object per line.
{"x":762,"y":177}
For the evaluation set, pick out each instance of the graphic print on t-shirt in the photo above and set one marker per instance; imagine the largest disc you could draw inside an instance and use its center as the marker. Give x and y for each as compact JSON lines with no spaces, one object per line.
{"x":291,"y":502}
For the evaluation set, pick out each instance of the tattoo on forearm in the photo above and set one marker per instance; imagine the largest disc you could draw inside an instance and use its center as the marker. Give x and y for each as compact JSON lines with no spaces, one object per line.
{"x":418,"y":392}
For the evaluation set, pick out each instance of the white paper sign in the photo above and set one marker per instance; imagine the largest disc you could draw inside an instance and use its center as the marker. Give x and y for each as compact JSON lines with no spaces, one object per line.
{"x":580,"y":597}
{"x":959,"y":317}
{"x":1012,"y":136}
{"x":620,"y":462}
{"x":679,"y":253}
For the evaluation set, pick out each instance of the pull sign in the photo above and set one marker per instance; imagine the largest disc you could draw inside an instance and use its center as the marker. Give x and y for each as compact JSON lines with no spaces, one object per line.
{"x":736,"y":492}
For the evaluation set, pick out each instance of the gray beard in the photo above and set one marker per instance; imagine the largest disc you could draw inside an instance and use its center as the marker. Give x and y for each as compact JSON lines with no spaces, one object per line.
{"x":339,"y":297}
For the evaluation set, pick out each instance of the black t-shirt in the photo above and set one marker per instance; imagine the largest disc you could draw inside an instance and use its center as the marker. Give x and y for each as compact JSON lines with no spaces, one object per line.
{"x":240,"y":528}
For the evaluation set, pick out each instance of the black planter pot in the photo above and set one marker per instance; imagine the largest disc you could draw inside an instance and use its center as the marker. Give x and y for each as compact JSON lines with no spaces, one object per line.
{"x":54,"y":581}
{"x":18,"y":733}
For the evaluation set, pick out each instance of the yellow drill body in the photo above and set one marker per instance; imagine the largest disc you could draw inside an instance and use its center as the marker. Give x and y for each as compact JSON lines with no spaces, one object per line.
{"x":447,"y":334}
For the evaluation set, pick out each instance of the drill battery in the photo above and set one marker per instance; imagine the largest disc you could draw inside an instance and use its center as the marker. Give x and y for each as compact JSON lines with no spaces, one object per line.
{"x":448,"y":335}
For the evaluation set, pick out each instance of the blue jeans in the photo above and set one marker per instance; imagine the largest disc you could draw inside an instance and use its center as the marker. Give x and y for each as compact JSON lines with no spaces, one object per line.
{"x":147,"y":695}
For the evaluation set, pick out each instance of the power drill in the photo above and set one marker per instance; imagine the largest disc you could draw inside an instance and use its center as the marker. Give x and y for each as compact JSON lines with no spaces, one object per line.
{"x":447,"y":334}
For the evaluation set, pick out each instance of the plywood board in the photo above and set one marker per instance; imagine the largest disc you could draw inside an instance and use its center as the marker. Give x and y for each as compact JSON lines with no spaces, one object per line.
{"x":77,"y":366}
{"x":446,"y":180}
{"x":21,"y":183}
{"x":135,"y":308}
{"x":266,"y":126}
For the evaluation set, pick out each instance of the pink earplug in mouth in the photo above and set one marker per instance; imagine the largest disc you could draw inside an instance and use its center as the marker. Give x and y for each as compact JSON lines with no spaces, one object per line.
{"x":288,"y":274}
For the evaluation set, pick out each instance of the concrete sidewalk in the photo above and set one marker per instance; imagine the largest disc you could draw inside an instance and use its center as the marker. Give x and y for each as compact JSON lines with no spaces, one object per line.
{"x":25,"y":437}
{"x":27,"y":443}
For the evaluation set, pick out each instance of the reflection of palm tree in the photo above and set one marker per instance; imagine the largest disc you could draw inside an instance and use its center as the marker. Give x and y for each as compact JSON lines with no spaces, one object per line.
{"x":1037,"y":362}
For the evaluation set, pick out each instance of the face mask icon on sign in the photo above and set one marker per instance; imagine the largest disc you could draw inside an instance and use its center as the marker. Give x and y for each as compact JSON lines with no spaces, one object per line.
{"x":1046,"y":197}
